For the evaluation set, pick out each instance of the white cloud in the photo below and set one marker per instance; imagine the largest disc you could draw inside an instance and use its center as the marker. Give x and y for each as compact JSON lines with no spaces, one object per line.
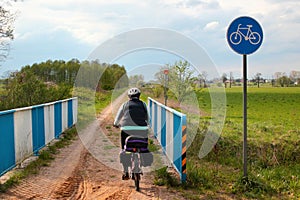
{"x":90,"y":22}
{"x":211,"y":26}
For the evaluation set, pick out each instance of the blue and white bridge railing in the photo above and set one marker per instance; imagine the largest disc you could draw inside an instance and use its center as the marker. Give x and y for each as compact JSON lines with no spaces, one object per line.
{"x":24,"y":131}
{"x":169,"y":127}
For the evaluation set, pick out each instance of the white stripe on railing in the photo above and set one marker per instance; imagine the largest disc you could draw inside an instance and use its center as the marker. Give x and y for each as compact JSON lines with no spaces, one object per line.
{"x":169,"y":135}
{"x":49,"y":124}
{"x":22,"y":134}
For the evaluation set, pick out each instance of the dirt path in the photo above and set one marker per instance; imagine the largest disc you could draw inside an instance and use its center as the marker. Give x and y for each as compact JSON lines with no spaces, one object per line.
{"x":76,"y":173}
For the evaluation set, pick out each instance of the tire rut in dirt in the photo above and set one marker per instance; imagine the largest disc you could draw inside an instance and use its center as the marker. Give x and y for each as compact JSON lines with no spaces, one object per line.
{"x":120,"y":194}
{"x":75,"y":186}
{"x":68,"y":189}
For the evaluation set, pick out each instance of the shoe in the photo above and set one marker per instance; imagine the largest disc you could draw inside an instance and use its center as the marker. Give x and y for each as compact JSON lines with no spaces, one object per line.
{"x":125,"y":176}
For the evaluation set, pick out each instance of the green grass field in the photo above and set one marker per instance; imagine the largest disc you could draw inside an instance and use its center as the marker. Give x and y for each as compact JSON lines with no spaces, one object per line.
{"x":273,"y":141}
{"x":272,"y":111}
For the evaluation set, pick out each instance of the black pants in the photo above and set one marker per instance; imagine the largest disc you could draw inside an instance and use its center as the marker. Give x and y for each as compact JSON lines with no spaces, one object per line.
{"x":125,"y":134}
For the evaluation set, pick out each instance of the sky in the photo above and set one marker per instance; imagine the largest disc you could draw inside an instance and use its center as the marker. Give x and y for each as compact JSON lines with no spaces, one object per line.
{"x":63,"y":30}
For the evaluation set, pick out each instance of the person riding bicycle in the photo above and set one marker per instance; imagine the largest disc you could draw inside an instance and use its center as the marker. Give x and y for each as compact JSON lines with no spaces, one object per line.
{"x":132,"y":118}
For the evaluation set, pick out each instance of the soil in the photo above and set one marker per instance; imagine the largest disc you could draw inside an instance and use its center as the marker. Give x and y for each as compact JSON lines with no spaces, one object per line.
{"x":76,"y":173}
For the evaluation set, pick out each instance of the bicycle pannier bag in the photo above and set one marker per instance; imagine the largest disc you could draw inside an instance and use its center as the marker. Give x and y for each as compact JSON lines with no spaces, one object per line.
{"x":125,"y":158}
{"x":147,"y":159}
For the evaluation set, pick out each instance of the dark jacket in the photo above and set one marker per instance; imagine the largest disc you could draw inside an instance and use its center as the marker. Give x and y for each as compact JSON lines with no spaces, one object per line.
{"x":132,"y":113}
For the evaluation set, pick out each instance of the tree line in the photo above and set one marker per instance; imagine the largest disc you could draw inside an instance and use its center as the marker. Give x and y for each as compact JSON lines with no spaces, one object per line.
{"x":279,"y":79}
{"x":180,"y":80}
{"x":282,"y":79}
{"x":54,"y":80}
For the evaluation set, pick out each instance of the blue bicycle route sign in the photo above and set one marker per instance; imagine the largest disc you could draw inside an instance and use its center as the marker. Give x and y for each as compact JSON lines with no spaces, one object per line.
{"x":244,"y":35}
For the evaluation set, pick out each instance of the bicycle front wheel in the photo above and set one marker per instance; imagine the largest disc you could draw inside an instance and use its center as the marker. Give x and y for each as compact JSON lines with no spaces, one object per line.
{"x":235,"y":38}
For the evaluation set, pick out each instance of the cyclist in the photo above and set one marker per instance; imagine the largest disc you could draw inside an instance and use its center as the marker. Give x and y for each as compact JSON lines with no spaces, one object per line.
{"x":133,"y":119}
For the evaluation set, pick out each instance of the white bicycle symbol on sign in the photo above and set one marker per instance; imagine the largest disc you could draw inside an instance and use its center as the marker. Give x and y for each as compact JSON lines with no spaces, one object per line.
{"x":236,"y":37}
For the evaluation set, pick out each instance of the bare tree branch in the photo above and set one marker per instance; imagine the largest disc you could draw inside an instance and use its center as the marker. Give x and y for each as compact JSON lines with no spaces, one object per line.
{"x":7,"y":19}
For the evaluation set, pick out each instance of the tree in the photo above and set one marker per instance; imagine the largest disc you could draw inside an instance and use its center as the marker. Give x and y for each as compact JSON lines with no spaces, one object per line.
{"x":25,"y":89}
{"x":7,"y":19}
{"x":277,"y":75}
{"x":230,"y":79}
{"x":203,"y":78}
{"x":180,"y":79}
{"x":224,"y":78}
{"x":257,"y":78}
{"x":114,"y":76}
{"x":295,"y":76}
{"x":121,"y":79}
{"x":160,"y":76}
{"x":136,"y":80}
{"x":282,"y":79}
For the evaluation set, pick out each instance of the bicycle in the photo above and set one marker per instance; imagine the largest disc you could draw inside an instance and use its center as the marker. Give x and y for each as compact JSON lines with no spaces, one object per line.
{"x":253,"y":37}
{"x":134,"y":146}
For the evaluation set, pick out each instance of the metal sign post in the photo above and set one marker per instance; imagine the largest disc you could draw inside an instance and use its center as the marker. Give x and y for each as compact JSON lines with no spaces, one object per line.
{"x":245,"y":145}
{"x":244,"y":36}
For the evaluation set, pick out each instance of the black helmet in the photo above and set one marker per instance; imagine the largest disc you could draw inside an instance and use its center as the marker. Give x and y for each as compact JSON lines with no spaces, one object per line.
{"x":134,"y":92}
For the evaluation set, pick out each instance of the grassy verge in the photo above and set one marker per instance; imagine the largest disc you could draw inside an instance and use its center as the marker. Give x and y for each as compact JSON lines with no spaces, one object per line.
{"x":102,"y":100}
{"x":163,"y":177}
{"x":90,"y":104}
{"x":45,"y":157}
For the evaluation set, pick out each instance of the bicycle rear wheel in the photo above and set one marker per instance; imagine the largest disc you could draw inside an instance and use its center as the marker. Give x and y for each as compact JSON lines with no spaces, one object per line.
{"x":254,"y":38}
